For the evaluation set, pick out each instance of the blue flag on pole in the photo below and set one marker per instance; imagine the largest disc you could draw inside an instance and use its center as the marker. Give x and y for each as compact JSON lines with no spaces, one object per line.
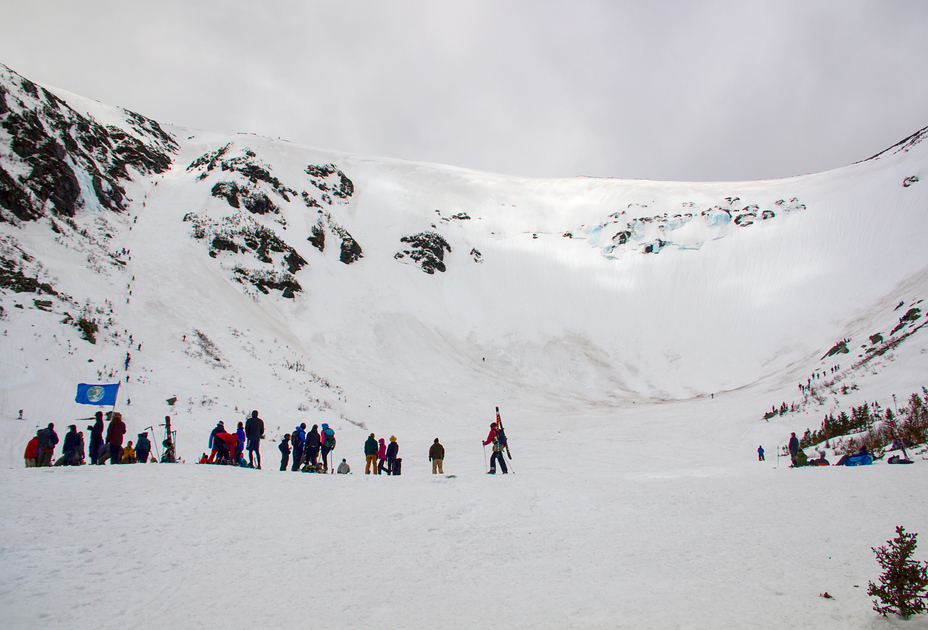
{"x":96,"y":394}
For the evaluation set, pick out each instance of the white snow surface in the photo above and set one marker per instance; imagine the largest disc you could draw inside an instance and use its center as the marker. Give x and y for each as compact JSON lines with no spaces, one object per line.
{"x":632,"y":386}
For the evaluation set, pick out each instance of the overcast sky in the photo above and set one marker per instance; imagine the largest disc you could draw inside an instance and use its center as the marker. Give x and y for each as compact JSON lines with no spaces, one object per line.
{"x":671,"y":90}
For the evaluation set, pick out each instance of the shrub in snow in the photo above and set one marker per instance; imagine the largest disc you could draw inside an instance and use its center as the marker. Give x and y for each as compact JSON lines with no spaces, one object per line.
{"x":903,"y":581}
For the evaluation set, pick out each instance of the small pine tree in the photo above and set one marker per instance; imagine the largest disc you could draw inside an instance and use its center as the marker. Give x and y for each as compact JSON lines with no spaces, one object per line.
{"x":903,"y":581}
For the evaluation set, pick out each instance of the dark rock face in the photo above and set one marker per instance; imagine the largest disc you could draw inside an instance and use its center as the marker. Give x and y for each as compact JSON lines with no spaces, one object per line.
{"x":318,"y":236}
{"x":329,"y":180}
{"x":242,"y":234}
{"x":427,"y":250}
{"x":50,"y":144}
{"x":246,"y":163}
{"x":254,"y":201}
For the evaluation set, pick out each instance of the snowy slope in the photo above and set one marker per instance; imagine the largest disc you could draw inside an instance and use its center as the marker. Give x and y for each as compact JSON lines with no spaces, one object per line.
{"x":633,"y":333}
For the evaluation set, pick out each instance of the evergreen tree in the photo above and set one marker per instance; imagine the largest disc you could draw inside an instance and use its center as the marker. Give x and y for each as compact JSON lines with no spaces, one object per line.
{"x":903,"y":581}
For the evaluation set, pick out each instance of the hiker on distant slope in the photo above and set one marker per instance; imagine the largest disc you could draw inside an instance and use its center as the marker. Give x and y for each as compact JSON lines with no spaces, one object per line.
{"x":254,"y":431}
{"x":311,"y":448}
{"x":436,"y":455}
{"x":760,"y":453}
{"x":370,"y":454}
{"x":494,"y":438}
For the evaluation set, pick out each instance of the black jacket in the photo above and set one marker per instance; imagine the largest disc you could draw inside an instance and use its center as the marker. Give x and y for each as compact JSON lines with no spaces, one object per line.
{"x":392,"y":450}
{"x":254,"y":428}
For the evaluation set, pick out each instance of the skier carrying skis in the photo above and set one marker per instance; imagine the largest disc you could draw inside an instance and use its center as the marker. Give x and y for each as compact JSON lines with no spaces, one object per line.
{"x":498,"y":439}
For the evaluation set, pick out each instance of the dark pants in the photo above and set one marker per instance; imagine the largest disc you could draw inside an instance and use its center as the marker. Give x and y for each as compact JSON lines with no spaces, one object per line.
{"x":297,"y":457}
{"x":390,"y":462}
{"x":382,"y":466}
{"x":142,"y":456}
{"x":115,"y":454}
{"x":313,"y":455}
{"x":94,"y":447}
{"x":325,"y":457}
{"x":284,"y":458}
{"x":498,"y":455}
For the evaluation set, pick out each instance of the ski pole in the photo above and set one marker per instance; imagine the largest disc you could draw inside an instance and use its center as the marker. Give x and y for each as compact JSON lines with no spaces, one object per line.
{"x":486,"y":466}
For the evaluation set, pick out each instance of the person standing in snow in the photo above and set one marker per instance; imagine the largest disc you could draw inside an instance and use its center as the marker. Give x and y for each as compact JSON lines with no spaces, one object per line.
{"x":793,"y":447}
{"x":114,"y":434}
{"x":436,"y":455}
{"x":142,"y":448}
{"x":392,"y":451}
{"x":254,"y":432}
{"x":96,"y":437}
{"x":493,"y":438}
{"x":370,"y":454}
{"x":284,"y":452}
{"x":299,"y":440}
{"x":760,"y":453}
{"x":32,"y":452}
{"x":311,"y":448}
{"x":240,"y":436}
{"x":328,"y":444}
{"x":47,"y":441}
{"x":382,"y":456}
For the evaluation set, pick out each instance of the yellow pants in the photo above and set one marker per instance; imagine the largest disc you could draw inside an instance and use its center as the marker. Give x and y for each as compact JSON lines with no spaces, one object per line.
{"x":371,"y":461}
{"x":436,"y":467}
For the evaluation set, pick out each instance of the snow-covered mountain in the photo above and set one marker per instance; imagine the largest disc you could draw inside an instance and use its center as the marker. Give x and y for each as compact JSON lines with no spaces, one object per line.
{"x":634,"y":334}
{"x":238,"y":272}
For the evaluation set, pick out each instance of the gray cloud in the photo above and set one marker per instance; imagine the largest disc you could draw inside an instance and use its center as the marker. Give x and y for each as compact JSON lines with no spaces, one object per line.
{"x":662,"y":90}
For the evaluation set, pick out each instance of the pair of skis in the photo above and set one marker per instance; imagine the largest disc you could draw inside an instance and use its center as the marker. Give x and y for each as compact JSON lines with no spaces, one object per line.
{"x":499,"y":423}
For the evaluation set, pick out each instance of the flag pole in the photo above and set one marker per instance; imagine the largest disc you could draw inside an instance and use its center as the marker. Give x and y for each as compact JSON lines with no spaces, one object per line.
{"x":115,"y":398}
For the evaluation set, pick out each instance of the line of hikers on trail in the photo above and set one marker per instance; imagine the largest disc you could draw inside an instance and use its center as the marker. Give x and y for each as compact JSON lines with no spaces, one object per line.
{"x":228,"y":448}
{"x":40,"y":449}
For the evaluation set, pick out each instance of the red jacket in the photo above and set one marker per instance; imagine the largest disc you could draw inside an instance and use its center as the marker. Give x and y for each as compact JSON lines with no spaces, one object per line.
{"x":32,"y":448}
{"x":115,"y":432}
{"x":490,"y":438}
{"x":230,"y":439}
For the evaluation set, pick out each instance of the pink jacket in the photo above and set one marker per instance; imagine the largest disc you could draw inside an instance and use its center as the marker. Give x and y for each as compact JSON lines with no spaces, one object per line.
{"x":382,"y":452}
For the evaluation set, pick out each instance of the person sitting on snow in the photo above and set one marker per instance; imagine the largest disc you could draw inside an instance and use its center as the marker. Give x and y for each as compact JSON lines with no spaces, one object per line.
{"x":128,"y":454}
{"x":344,"y":468}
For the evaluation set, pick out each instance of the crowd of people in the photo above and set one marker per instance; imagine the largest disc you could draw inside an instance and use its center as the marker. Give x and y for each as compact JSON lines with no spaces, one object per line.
{"x":74,"y":451}
{"x":310,"y":449}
